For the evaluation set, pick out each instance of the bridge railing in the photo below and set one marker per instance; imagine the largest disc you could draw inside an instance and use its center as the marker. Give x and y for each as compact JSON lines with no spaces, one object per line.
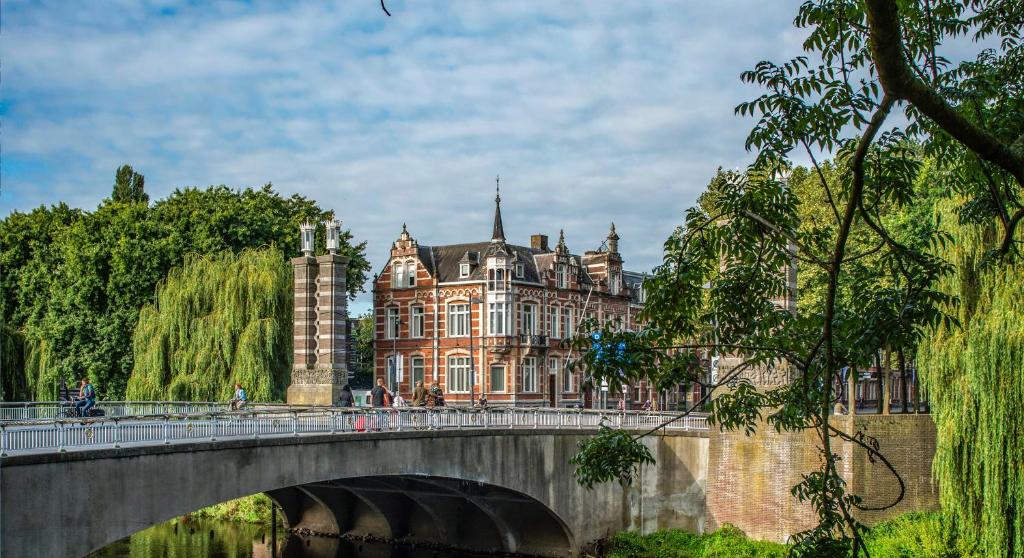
{"x":61,"y":435}
{"x":43,"y":410}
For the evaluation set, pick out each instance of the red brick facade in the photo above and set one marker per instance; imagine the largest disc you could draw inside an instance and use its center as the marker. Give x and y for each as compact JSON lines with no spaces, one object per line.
{"x":515,"y":304}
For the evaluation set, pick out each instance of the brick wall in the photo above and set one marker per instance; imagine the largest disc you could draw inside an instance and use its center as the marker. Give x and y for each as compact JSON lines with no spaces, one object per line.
{"x":750,"y":477}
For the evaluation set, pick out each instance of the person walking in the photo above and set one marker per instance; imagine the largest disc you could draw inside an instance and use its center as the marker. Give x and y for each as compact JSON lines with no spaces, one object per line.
{"x":345,"y":398}
{"x":379,"y":395}
{"x":419,"y":395}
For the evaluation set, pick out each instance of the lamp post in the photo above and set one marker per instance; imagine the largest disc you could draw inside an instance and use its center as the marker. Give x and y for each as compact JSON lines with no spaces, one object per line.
{"x":472,"y":357}
{"x":394,"y":352}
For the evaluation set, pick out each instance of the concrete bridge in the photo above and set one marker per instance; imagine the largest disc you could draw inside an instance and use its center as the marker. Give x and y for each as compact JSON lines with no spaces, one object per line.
{"x":497,"y":480}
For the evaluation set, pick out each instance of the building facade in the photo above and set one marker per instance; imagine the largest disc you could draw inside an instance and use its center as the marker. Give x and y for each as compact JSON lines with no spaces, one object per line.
{"x":488,"y":318}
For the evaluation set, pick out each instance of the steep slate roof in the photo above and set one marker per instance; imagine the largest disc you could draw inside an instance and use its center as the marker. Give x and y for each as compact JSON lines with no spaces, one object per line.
{"x":633,"y":280}
{"x":443,"y":261}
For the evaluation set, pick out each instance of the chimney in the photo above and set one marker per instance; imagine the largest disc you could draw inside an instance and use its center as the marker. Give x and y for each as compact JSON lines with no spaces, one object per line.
{"x":539,"y":242}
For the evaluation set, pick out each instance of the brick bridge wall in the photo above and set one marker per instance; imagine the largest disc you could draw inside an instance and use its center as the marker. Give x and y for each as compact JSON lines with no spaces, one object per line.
{"x":749,"y":478}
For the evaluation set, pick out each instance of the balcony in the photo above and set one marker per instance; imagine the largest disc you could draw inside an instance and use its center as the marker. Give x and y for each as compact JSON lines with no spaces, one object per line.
{"x":533,"y":343}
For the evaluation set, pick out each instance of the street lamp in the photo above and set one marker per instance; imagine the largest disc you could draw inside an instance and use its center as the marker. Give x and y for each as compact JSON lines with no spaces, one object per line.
{"x":394,"y":352}
{"x":472,"y":357}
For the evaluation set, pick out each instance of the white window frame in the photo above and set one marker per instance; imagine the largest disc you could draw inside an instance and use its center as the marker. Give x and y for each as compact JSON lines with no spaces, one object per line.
{"x":417,"y":367}
{"x":497,"y":323}
{"x":464,"y":270}
{"x":555,"y":321}
{"x":458,"y":374}
{"x":567,"y":318}
{"x":495,"y":366}
{"x":417,"y":321}
{"x":392,"y":330}
{"x":520,"y":271}
{"x":529,"y":367}
{"x":397,"y":275}
{"x":561,"y":278}
{"x":459,"y":319}
{"x":496,"y":279}
{"x":529,"y":327}
{"x":616,"y":283}
{"x":565,"y":380}
{"x":410,"y":273}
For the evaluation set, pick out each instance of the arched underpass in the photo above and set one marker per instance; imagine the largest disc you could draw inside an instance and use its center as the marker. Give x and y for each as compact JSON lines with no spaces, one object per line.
{"x":421,"y":509}
{"x":509,"y":490}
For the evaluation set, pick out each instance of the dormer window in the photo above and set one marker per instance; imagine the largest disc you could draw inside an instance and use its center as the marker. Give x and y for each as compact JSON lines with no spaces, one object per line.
{"x":496,"y":279}
{"x":519,"y":271}
{"x":464,"y":270}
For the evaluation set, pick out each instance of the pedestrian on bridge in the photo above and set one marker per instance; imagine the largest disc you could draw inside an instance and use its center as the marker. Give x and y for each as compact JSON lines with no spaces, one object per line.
{"x":86,"y":398}
{"x":238,"y":401}
{"x":345,"y":398}
{"x":419,"y":395}
{"x":379,"y":395}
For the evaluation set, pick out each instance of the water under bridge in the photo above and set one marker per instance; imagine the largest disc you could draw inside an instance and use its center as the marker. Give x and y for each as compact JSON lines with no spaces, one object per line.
{"x":495,"y":480}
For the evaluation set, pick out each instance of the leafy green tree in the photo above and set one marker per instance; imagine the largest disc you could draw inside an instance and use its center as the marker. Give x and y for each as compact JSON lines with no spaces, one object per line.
{"x":129,"y":186}
{"x":362,"y":362}
{"x":716,"y":288}
{"x":74,"y":281}
{"x":217,"y":320}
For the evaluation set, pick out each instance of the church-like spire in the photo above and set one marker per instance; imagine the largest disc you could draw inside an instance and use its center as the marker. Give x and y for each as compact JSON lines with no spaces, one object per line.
{"x":561,"y":249}
{"x":499,"y":232}
{"x":613,"y":240}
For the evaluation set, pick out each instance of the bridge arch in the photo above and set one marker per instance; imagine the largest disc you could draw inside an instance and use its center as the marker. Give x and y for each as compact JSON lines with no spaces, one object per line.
{"x":349,"y":483}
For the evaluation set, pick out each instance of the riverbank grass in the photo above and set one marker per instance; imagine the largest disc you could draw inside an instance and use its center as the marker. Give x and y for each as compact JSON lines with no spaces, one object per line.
{"x":912,"y":535}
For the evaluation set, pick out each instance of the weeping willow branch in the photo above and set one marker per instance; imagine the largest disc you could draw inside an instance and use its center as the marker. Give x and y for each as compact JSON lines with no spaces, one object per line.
{"x":217,"y":320}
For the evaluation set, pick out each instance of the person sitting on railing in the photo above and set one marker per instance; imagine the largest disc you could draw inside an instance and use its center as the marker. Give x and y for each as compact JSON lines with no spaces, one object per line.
{"x":86,"y":398}
{"x":400,"y":401}
{"x":238,"y":401}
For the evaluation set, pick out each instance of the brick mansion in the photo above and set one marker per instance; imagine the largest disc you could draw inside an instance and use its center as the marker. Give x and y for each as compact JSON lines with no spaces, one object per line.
{"x":487,"y":318}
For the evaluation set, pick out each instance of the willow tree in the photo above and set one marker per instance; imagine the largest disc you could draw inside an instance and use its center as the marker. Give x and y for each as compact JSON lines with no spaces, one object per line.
{"x":217,"y":320}
{"x":974,"y":374}
{"x":867,"y":60}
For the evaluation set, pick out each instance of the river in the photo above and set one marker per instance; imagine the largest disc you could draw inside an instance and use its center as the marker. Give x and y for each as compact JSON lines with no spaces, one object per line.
{"x":199,"y":538}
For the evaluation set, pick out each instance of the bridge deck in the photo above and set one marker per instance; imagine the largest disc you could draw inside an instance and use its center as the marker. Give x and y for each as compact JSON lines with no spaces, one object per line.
{"x":59,"y":435}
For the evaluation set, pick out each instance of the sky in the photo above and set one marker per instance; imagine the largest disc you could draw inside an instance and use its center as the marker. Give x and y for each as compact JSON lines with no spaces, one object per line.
{"x":591,"y":112}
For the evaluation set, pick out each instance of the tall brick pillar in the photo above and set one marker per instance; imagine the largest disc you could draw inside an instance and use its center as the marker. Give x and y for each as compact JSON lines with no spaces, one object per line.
{"x":320,"y":368}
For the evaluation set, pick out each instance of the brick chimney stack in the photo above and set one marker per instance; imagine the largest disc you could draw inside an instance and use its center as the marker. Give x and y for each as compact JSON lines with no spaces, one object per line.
{"x":539,"y":242}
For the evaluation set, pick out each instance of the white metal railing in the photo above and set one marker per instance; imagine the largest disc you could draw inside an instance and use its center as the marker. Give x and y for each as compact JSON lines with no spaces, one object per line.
{"x":45,"y":410}
{"x":62,"y":434}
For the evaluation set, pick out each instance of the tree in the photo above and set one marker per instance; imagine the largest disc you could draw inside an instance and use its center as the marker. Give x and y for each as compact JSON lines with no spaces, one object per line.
{"x":217,"y":320}
{"x":129,"y":186}
{"x":362,"y":363}
{"x":75,"y":281}
{"x":720,"y":273}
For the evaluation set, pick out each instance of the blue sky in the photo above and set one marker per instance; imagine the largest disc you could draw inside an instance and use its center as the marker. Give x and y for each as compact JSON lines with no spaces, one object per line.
{"x":590,"y":111}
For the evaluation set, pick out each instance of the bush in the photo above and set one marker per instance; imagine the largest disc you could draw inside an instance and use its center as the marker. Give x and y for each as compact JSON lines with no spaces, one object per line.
{"x":250,"y":509}
{"x":916,"y":535}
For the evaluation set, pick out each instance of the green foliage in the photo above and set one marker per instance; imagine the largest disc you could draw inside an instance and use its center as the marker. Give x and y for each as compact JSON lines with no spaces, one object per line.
{"x":74,"y":282}
{"x":363,"y":361}
{"x":727,"y":542}
{"x":217,"y":320}
{"x":916,"y":535}
{"x":974,"y":374}
{"x":860,"y":226}
{"x":912,"y":535}
{"x":129,"y":186}
{"x":610,"y":455}
{"x":250,"y":509}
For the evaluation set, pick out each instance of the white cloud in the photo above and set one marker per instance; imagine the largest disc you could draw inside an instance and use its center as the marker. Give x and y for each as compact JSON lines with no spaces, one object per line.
{"x":591,"y":112}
